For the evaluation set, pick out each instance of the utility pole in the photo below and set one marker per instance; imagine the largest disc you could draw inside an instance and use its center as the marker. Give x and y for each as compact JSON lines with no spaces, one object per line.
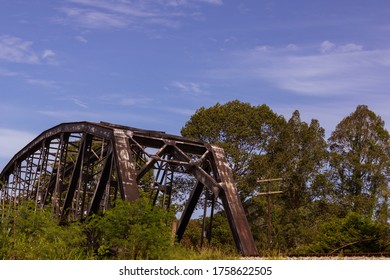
{"x":268,"y":193}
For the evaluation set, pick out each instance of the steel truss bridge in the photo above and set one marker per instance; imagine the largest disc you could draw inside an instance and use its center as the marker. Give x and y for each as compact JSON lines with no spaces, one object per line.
{"x":81,"y":168}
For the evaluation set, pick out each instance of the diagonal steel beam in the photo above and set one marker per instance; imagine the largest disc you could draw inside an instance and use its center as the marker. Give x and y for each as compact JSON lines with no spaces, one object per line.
{"x":101,"y":186}
{"x":189,"y":210}
{"x":232,"y":205}
{"x":149,"y":165}
{"x":76,"y":175}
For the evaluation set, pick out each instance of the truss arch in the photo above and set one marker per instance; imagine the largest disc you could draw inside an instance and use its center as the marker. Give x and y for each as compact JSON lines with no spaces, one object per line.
{"x":81,"y":168}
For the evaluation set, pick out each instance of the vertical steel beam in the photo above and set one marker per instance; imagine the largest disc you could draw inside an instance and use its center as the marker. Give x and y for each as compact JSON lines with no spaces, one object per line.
{"x":125,"y":166}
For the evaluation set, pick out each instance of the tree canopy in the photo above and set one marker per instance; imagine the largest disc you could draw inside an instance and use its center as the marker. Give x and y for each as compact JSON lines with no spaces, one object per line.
{"x":323,"y":180}
{"x":360,"y":164}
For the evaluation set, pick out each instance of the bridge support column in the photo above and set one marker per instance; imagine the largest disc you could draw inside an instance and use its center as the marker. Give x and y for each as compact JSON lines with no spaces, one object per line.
{"x":125,"y":166}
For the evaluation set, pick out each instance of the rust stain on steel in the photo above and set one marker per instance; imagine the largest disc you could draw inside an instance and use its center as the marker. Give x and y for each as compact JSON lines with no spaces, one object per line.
{"x":82,"y":168}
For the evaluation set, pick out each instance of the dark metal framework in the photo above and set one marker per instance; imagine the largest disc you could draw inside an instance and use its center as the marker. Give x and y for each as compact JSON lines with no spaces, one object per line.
{"x":81,"y":168}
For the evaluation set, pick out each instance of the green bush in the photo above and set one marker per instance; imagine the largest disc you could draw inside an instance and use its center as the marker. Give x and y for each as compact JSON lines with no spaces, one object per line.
{"x":133,"y":231}
{"x":354,"y":233}
{"x":28,"y":233}
{"x":128,"y":231}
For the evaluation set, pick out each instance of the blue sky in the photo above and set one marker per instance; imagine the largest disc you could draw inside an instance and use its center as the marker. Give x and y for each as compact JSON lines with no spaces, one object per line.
{"x":151,"y":64}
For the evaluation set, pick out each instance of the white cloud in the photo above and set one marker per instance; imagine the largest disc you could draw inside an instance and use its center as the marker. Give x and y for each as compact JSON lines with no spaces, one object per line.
{"x":93,"y":19}
{"x":189,"y":87}
{"x":347,"y":70}
{"x":14,"y":49}
{"x":7,"y":73}
{"x":48,"y":54}
{"x":81,"y":39}
{"x":42,"y":83}
{"x":12,"y":141}
{"x":71,"y":115}
{"x":181,"y":111}
{"x":79,"y":103}
{"x":176,"y":3}
{"x":350,"y":48}
{"x":325,"y":86}
{"x":292,"y":47}
{"x":131,"y":101}
{"x":327,"y":46}
{"x":100,"y":14}
{"x":125,"y":100}
{"x":333,"y":74}
{"x":213,"y":2}
{"x":136,"y":8}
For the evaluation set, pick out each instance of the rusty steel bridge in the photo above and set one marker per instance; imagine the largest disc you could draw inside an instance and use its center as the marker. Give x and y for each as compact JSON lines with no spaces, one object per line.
{"x":81,"y":168}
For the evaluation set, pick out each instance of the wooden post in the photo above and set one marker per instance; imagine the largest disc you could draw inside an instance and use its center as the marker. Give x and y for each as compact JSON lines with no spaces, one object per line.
{"x":269,"y":206}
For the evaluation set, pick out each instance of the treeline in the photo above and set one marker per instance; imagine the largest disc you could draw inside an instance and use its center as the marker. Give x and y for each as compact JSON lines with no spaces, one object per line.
{"x":335,"y":195}
{"x":335,"y":191}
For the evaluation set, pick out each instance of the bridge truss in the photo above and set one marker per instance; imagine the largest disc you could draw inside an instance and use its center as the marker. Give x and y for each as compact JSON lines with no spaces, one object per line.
{"x":81,"y":168}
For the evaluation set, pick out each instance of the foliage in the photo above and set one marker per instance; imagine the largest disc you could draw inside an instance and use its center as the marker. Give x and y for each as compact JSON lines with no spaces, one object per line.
{"x":298,"y":155}
{"x":360,"y":164}
{"x":221,"y":236}
{"x":133,"y":231}
{"x":354,"y":233}
{"x":241,"y":129}
{"x":127,"y":231}
{"x":30,"y":233}
{"x":323,"y":180}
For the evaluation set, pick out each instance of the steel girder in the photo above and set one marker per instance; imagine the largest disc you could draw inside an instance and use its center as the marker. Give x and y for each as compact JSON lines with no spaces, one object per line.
{"x":81,"y":168}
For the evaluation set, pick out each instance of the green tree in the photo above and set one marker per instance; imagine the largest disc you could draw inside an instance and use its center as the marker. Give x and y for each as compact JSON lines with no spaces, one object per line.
{"x":241,"y":129}
{"x":133,"y":231}
{"x":299,"y":156}
{"x":360,"y":164}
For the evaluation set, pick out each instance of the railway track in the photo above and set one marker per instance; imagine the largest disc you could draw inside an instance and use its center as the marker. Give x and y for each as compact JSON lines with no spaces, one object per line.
{"x":369,"y":255}
{"x":324,"y":256}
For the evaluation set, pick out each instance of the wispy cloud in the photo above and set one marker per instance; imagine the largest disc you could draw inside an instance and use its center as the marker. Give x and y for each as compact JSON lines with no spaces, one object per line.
{"x":7,"y":73}
{"x":17,"y":50}
{"x":329,"y":47}
{"x":79,"y":102}
{"x":125,"y":99}
{"x":326,"y":81}
{"x":93,"y":19}
{"x":213,"y":2}
{"x":189,"y":87}
{"x":71,"y":115}
{"x":100,"y":14}
{"x":11,"y":141}
{"x":48,"y":53}
{"x":180,"y":111}
{"x":332,"y":70}
{"x":42,"y":83}
{"x":81,"y":39}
